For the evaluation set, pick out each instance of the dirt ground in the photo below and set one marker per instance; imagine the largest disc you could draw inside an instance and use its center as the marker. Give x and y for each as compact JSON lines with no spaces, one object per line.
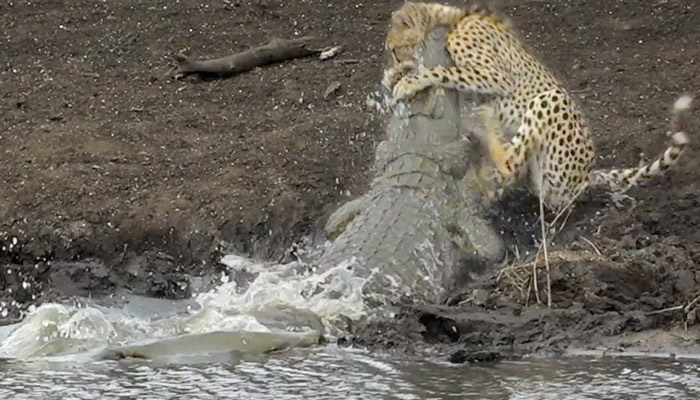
{"x":117,"y":176}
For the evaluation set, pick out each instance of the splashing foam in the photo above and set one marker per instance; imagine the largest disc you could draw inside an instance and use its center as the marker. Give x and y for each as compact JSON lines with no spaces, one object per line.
{"x":52,"y":327}
{"x":334,"y":297}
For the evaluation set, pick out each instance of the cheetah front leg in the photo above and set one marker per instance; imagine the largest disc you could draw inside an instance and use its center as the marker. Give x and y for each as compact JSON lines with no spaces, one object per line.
{"x":396,"y":72}
{"x":463,"y":78}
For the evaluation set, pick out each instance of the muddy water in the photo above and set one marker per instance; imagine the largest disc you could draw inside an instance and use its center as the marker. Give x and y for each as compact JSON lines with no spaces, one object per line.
{"x":338,"y":373}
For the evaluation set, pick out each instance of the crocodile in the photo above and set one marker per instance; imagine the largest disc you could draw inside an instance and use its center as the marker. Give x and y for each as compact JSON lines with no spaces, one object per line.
{"x":416,"y":228}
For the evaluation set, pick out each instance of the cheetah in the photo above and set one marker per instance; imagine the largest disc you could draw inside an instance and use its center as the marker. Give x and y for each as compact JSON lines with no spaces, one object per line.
{"x":550,"y":137}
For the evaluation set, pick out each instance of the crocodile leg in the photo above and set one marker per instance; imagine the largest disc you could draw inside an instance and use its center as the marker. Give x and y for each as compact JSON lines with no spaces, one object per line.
{"x":474,"y":234}
{"x":344,"y":215}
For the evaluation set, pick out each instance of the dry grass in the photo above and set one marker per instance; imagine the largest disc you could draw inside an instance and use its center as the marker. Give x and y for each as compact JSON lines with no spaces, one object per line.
{"x":524,"y":276}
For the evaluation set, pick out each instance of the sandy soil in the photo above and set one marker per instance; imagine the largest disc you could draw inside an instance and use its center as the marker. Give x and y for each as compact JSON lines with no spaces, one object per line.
{"x":143,"y":180}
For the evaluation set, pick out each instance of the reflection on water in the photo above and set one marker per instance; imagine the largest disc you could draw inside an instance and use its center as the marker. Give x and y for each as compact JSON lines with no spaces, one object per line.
{"x":337,"y":373}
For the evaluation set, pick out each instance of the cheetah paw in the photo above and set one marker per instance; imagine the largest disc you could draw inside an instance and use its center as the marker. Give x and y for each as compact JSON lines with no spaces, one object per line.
{"x":393,"y":74}
{"x":407,"y":87}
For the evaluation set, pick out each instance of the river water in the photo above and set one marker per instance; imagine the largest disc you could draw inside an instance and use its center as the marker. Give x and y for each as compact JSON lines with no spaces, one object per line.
{"x":341,"y":373}
{"x":258,"y":339}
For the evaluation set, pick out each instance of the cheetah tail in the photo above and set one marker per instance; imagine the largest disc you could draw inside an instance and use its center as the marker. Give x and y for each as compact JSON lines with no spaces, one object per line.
{"x":620,"y":180}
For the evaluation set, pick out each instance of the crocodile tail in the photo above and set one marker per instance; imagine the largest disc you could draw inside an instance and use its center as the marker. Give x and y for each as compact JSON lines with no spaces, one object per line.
{"x":620,"y":180}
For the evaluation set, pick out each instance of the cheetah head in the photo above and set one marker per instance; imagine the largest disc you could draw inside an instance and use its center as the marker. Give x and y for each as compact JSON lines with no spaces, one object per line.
{"x":406,"y":32}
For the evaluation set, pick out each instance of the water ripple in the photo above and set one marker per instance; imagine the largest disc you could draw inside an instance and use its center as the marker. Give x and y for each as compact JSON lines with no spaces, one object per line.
{"x":334,"y":373}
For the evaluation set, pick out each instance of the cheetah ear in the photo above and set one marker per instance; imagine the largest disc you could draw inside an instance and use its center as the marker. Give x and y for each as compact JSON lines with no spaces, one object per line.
{"x":400,"y":18}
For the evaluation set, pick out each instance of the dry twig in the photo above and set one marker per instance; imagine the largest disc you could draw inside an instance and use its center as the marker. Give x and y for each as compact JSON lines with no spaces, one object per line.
{"x":546,"y":255}
{"x":686,"y":308}
{"x":592,"y":245}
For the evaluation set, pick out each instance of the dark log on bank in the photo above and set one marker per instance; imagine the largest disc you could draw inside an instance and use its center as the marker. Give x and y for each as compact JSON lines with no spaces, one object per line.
{"x":277,"y":50}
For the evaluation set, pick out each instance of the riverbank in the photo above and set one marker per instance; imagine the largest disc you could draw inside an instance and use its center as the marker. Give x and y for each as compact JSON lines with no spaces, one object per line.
{"x":117,"y":176}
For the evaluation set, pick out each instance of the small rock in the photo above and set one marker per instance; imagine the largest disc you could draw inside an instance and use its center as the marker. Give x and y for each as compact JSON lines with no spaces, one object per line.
{"x":480,"y":297}
{"x":462,"y":356}
{"x":331,"y":89}
{"x":628,"y":242}
{"x":473,"y":339}
{"x":329,"y":53}
{"x":564,"y":303}
{"x":504,"y":339}
{"x":684,"y":282}
{"x":135,"y":265}
{"x":692,"y":317}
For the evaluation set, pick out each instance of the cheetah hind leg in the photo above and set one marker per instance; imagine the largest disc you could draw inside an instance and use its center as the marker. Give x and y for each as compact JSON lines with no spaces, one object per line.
{"x":489,"y":180}
{"x":492,"y":136}
{"x":511,"y":157}
{"x":486,"y":183}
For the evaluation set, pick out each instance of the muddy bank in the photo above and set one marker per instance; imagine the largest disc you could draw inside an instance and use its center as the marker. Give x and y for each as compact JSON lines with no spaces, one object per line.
{"x":605,"y":298}
{"x":109,"y":161}
{"x":142,"y":181}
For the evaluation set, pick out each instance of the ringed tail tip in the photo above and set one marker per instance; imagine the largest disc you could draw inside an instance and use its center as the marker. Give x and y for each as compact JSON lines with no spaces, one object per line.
{"x":680,"y":138}
{"x":682,"y":103}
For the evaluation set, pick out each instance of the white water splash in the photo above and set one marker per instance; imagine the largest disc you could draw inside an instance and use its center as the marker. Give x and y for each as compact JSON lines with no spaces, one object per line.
{"x":275,"y":289}
{"x":52,"y":325}
{"x":331,"y":295}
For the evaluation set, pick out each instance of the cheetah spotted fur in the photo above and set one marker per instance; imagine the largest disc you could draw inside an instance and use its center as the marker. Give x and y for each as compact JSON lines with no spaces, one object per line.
{"x":550,"y":138}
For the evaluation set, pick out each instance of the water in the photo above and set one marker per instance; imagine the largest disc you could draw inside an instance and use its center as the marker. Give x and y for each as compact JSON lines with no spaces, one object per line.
{"x":258,"y":338}
{"x":279,"y":306}
{"x":339,"y":373}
